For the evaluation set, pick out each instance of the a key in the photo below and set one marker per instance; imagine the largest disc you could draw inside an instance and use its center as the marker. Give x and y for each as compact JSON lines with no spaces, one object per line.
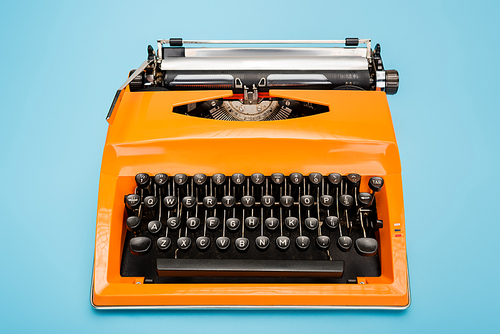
{"x":346,"y":201}
{"x":334,"y":179}
{"x":133,"y":201}
{"x":173,"y":222}
{"x":307,"y":201}
{"x":248,"y":201}
{"x":228,"y":201}
{"x":364,"y":200}
{"x":189,"y":202}
{"x":286,"y":201}
{"x":184,"y":243}
{"x":202,"y":243}
{"x":291,"y":223}
{"x":353,"y":179}
{"x":213,"y":222}
{"x":180,"y":179}
{"x":154,"y":226}
{"x":257,"y":178}
{"x":262,"y":242}
{"x":139,"y":245}
{"x":311,"y":223}
{"x":209,"y":202}
{"x":315,"y":178}
{"x":193,"y":223}
{"x":251,"y":222}
{"x":332,"y":222}
{"x":222,"y":243}
{"x":344,"y":243}
{"x":277,"y":178}
{"x":267,"y":201}
{"x":323,"y":241}
{"x":170,"y":202}
{"x":271,"y":223}
{"x":326,"y":201}
{"x":238,"y":179}
{"x":199,"y":179}
{"x":282,"y":243}
{"x":233,"y":224}
{"x":296,"y":178}
{"x":150,"y":201}
{"x":376,"y":183}
{"x":302,"y":242}
{"x":366,"y":246}
{"x":163,"y":243}
{"x":242,"y":244}
{"x":219,"y":179}
{"x":142,"y":180}
{"x":161,"y":180}
{"x":133,"y":223}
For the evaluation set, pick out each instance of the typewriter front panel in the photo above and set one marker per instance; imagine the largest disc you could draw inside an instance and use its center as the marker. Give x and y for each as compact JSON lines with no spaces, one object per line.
{"x":355,"y":136}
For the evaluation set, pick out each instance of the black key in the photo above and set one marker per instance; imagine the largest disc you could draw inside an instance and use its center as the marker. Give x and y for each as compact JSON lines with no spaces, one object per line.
{"x":262,"y":242}
{"x":233,"y":224}
{"x":193,"y":223}
{"x":180,"y":179}
{"x":163,"y":243}
{"x":209,"y":202}
{"x":173,"y":222}
{"x":170,"y":202}
{"x":315,"y":178}
{"x":139,"y":245}
{"x":286,"y":201}
{"x":302,"y":242}
{"x":332,"y":222}
{"x":345,"y":243}
{"x":248,"y":201}
{"x":311,"y":223}
{"x":346,"y":201}
{"x":376,"y":183}
{"x":184,"y":243}
{"x":150,"y":201}
{"x":238,"y":179}
{"x":228,"y":201}
{"x":222,"y":243}
{"x":366,"y":246}
{"x":242,"y":244}
{"x":271,"y":223}
{"x":251,"y":222}
{"x":133,"y":223}
{"x":307,"y":201}
{"x":334,"y":178}
{"x":248,"y":268}
{"x":291,"y":223}
{"x":213,"y":222}
{"x":277,"y":178}
{"x":257,"y":178}
{"x":189,"y":202}
{"x":161,"y":180}
{"x":267,"y":201}
{"x":154,"y":226}
{"x":323,"y":242}
{"x":219,"y":179}
{"x":326,"y":200}
{"x":199,"y":179}
{"x":142,"y":180}
{"x":133,"y":201}
{"x":354,"y":179}
{"x":364,"y":199}
{"x":296,"y":178}
{"x":283,"y":242}
{"x":202,"y":243}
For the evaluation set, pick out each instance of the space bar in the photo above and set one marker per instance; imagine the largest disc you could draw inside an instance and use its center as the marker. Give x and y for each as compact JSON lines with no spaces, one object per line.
{"x":254,"y":268}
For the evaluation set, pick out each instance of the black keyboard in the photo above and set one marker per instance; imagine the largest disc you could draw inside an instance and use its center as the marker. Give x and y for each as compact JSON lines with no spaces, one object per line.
{"x":257,"y":228}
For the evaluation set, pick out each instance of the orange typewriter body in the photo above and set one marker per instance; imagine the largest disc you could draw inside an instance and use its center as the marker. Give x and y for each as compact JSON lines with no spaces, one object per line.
{"x":145,"y":136}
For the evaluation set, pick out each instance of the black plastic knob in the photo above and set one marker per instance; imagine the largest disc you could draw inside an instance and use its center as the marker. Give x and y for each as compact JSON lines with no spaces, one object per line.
{"x":142,"y":180}
{"x":376,"y":183}
{"x":391,"y":82}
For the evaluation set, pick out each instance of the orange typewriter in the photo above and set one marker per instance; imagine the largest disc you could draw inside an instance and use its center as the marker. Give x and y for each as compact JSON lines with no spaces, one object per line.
{"x":252,"y":177}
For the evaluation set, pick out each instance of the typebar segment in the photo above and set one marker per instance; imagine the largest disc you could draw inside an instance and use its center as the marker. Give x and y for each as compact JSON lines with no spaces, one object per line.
{"x":249,"y":268}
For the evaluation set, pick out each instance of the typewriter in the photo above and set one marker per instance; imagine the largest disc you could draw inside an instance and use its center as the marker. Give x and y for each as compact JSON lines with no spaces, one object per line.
{"x":262,"y":175}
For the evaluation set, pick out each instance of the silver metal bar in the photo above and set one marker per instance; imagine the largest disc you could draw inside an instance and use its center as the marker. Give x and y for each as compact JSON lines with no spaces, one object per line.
{"x":298,"y":41}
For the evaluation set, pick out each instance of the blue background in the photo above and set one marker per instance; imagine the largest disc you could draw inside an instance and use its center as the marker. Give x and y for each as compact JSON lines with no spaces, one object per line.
{"x":62,"y":63}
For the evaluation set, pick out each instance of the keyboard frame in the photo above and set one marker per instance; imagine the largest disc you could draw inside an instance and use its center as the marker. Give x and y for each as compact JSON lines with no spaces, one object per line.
{"x":355,"y":136}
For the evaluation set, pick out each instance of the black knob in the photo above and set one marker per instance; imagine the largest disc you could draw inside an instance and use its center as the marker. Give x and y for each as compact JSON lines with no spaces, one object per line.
{"x":132,"y":201}
{"x":199,"y":179}
{"x":277,"y":178}
{"x":391,"y":82}
{"x":238,"y":179}
{"x":296,"y":178}
{"x":354,"y":179}
{"x":133,"y":223}
{"x":219,"y":179}
{"x":346,"y":201}
{"x":161,"y":180}
{"x":376,"y":183}
{"x":364,"y":199}
{"x":335,"y":178}
{"x":180,"y":179}
{"x":142,"y":180}
{"x":257,"y":178}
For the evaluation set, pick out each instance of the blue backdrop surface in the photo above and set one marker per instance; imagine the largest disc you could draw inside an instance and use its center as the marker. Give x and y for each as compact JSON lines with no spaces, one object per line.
{"x":63,"y":61}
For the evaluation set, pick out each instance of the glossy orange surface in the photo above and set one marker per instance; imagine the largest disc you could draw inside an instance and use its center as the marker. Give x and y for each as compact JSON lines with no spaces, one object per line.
{"x":355,"y":136}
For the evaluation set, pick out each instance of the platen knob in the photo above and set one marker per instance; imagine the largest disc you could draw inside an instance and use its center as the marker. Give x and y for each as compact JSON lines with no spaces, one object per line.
{"x":391,"y":82}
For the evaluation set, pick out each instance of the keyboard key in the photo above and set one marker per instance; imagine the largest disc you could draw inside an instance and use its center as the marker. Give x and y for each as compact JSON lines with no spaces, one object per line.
{"x":307,"y":201}
{"x":139,"y":245}
{"x":323,"y":242}
{"x":133,"y":201}
{"x":242,"y":244}
{"x":332,"y":222}
{"x":223,"y":243}
{"x":180,"y":179}
{"x":193,"y":223}
{"x":262,"y":242}
{"x":233,"y":224}
{"x":251,"y":222}
{"x":291,"y":223}
{"x":150,"y":201}
{"x":346,"y":201}
{"x":133,"y":223}
{"x":189,"y":202}
{"x":170,"y":202}
{"x":184,"y":243}
{"x":228,"y":201}
{"x":161,"y":180}
{"x":163,"y":243}
{"x":209,"y":202}
{"x":142,"y":180}
{"x":334,"y":178}
{"x":311,"y":223}
{"x":277,"y":178}
{"x":364,"y":199}
{"x":271,"y":223}
{"x":202,"y":243}
{"x":219,"y":179}
{"x":286,"y":201}
{"x":366,"y":246}
{"x":257,"y":178}
{"x":238,"y":179}
{"x":283,"y":243}
{"x":302,"y":242}
{"x":213,"y":222}
{"x":154,"y":226}
{"x":173,"y":222}
{"x":326,"y":201}
{"x":315,"y":178}
{"x":267,"y":201}
{"x":199,"y":179}
{"x":354,"y":179}
{"x":376,"y":183}
{"x":345,"y":243}
{"x":248,"y":201}
{"x":296,"y":178}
